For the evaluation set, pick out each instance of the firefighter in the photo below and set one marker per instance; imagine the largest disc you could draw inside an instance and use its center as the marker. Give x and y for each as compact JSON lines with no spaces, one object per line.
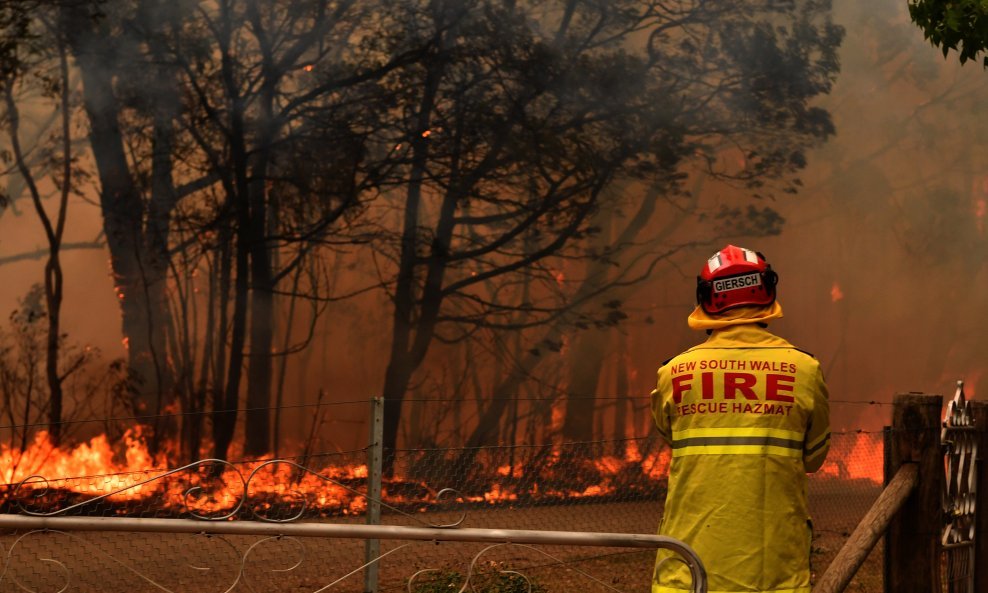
{"x":746,"y":416}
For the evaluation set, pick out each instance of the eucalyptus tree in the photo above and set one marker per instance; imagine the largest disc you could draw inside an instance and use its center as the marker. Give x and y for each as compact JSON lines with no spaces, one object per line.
{"x":282,"y":120}
{"x":34,"y":70}
{"x":200,"y":116}
{"x":129,"y":97}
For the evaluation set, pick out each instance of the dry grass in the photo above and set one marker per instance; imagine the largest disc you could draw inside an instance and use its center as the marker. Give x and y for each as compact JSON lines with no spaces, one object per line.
{"x":837,"y":506}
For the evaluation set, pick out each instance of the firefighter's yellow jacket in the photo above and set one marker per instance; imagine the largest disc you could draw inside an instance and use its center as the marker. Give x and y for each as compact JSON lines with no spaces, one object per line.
{"x":747,"y":416}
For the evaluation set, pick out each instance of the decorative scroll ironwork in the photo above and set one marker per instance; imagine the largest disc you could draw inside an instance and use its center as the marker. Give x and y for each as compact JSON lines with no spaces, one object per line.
{"x":959,"y":497}
{"x":64,"y":578}
{"x":242,"y":576}
{"x":38,"y":488}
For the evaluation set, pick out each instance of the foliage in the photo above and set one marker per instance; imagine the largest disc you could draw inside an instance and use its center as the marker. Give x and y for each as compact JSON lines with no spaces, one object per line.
{"x":497,"y":581}
{"x":959,"y":25}
{"x":15,"y":35}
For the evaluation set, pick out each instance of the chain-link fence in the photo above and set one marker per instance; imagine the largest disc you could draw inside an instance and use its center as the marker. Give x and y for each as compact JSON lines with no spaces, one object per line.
{"x":608,"y":485}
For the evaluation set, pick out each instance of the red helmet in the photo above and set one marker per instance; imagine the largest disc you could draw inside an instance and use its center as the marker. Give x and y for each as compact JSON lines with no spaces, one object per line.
{"x":735,"y":277}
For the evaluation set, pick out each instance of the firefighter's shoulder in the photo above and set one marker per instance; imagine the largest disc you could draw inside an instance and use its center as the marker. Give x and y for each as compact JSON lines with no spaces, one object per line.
{"x":809,"y":360}
{"x":685,"y":354}
{"x":806,"y":352}
{"x":672,"y":358}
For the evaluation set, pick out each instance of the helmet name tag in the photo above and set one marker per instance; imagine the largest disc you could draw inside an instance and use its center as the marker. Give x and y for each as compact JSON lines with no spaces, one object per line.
{"x":737,"y":282}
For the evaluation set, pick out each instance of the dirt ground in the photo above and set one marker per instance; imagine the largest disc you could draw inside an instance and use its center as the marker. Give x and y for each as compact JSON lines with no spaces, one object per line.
{"x":837,"y":506}
{"x":108,"y":562}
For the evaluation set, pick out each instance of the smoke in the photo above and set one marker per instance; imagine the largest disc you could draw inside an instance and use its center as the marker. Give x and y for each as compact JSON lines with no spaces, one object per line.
{"x":889,"y":216}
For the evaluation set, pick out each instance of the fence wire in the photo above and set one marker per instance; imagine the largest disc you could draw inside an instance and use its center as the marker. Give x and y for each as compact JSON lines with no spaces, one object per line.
{"x":603,"y":486}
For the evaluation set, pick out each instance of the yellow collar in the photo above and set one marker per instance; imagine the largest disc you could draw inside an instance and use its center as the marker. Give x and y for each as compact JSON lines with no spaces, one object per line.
{"x":701,"y":320}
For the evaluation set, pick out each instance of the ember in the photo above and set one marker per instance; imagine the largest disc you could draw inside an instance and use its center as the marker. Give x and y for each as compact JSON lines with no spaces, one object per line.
{"x":836,"y":293}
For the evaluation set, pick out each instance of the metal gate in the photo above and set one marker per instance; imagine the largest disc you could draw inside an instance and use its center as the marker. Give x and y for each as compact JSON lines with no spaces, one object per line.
{"x":960,"y":441}
{"x":54,"y":545}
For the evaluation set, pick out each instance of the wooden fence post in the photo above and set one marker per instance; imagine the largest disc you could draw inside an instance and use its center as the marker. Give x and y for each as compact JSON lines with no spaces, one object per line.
{"x":979,"y":410}
{"x":857,"y":547}
{"x":912,"y":542}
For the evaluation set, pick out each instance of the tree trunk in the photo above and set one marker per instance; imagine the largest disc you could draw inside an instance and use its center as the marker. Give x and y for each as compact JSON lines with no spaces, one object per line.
{"x":262,"y":321}
{"x":257,"y":431}
{"x":621,"y":397}
{"x":222,"y":423}
{"x":162,"y":202}
{"x":401,"y":363}
{"x":586,"y":357}
{"x":121,"y":205}
{"x":53,"y":296}
{"x":586,"y":362}
{"x":283,"y":364}
{"x":238,"y":197}
{"x":225,"y":410}
{"x":192,"y":426}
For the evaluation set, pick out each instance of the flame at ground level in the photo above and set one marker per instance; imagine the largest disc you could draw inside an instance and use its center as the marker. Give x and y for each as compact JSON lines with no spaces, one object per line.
{"x":122,"y":479}
{"x":857,"y":456}
{"x":128,"y":475}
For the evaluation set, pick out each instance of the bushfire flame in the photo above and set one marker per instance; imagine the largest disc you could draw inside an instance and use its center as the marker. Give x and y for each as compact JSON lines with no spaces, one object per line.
{"x":132,"y":475}
{"x":980,"y":209}
{"x":862,"y":460}
{"x":131,"y":480}
{"x":836,"y":293}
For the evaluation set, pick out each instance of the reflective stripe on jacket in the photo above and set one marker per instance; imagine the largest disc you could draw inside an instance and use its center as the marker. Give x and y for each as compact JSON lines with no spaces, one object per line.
{"x":746,"y":415}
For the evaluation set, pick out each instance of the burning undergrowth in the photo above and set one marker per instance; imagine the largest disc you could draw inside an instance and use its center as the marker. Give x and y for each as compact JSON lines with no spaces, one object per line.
{"x":109,"y":480}
{"x":97,"y":479}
